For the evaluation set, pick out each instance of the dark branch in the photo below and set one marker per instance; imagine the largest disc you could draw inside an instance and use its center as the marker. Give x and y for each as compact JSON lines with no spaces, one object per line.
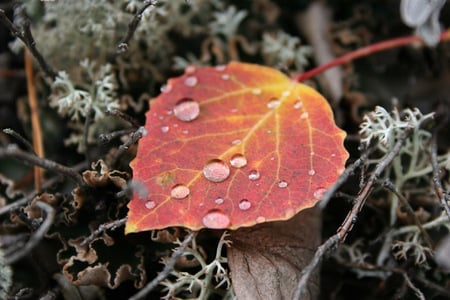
{"x":27,"y":38}
{"x":102,"y":228}
{"x":443,"y":197}
{"x":167,"y":269}
{"x":15,"y":152}
{"x":135,"y":136}
{"x":20,"y":138}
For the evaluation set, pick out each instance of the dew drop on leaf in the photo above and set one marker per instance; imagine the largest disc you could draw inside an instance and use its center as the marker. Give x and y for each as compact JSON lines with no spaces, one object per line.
{"x":260,"y":219}
{"x":166,"y":88}
{"x":216,"y":219}
{"x":218,"y":200}
{"x":282,"y":184}
{"x":191,"y":81}
{"x":318,"y":193}
{"x":216,"y":171}
{"x":254,"y":175}
{"x":286,"y":93}
{"x":220,"y":68}
{"x":225,"y":76}
{"x":150,"y":204}
{"x":180,"y":191}
{"x":298,"y":105}
{"x":236,"y":142}
{"x":273,"y":103}
{"x":244,"y":204}
{"x":304,"y":116}
{"x":311,"y":172}
{"x":165,"y":129}
{"x":190,"y":70}
{"x":186,"y":110}
{"x":256,"y":91}
{"x":238,"y":161}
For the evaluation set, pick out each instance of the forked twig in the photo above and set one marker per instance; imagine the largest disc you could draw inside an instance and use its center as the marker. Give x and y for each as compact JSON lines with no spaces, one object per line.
{"x":443,"y":197}
{"x":102,"y":228}
{"x":167,"y":269}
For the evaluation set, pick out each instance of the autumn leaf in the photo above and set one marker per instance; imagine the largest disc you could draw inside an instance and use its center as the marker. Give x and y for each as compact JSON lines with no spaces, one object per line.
{"x":232,"y":146}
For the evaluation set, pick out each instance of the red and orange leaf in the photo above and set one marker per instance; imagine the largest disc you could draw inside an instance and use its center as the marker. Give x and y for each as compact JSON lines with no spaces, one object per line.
{"x":232,"y":146}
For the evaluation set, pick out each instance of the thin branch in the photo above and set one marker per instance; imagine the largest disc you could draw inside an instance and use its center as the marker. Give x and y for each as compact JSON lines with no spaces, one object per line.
{"x":134,"y":137}
{"x":107,"y":137}
{"x":102,"y":228}
{"x":321,"y":253}
{"x":123,"y":45}
{"x":37,"y":236}
{"x":390,"y":186}
{"x":431,"y":285}
{"x":167,"y":269}
{"x":38,"y":144}
{"x":352,"y":216}
{"x":15,"y":152}
{"x":124,"y":117}
{"x":443,"y":197}
{"x":368,"y":50}
{"x":20,"y":138}
{"x":27,"y":38}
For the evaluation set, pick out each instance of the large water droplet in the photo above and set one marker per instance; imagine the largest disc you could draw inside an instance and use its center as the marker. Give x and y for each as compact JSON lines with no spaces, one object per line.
{"x":244,"y":204}
{"x":219,"y":200}
{"x":216,"y":219}
{"x":318,"y":193}
{"x":238,"y":161}
{"x":273,"y":103}
{"x":254,"y":175}
{"x":311,"y":172}
{"x":282,"y":184}
{"x":150,"y":204}
{"x":167,"y":88}
{"x":186,"y":110}
{"x":191,"y":81}
{"x":180,"y":191}
{"x":216,"y":170}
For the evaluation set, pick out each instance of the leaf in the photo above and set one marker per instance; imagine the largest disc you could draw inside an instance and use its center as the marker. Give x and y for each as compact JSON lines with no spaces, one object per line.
{"x":266,"y":260}
{"x":232,"y":146}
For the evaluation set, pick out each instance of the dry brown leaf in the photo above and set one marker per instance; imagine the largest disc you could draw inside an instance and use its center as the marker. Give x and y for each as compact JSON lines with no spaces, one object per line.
{"x":266,"y":260}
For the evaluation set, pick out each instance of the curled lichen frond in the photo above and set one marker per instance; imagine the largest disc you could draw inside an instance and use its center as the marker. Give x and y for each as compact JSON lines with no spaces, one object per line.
{"x":285,"y":50}
{"x":227,"y":22}
{"x":76,"y":103}
{"x":411,"y":246}
{"x":388,"y":128}
{"x":207,"y":280}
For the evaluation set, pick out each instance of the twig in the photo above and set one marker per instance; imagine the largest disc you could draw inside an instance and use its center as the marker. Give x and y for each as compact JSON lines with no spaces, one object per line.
{"x":15,"y":152}
{"x":38,"y":144}
{"x":27,"y":38}
{"x":167,"y":269}
{"x":37,"y":236}
{"x":123,"y":45}
{"x":365,"y":51}
{"x":390,"y":186}
{"x":87,"y":123}
{"x":433,"y":286}
{"x":342,"y":179}
{"x":124,"y":117}
{"x":102,"y":228}
{"x":443,"y":197}
{"x":323,"y":251}
{"x":352,"y":216}
{"x":20,"y":138}
{"x":107,"y":137}
{"x":134,"y":137}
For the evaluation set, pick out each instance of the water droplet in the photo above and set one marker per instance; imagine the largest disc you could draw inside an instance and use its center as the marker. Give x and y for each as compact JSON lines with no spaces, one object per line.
{"x":286,"y":93}
{"x":319,"y":193}
{"x":180,"y":191}
{"x":166,"y":88}
{"x":185,"y":131}
{"x":175,"y":125}
{"x":273,"y":103}
{"x":218,"y":201}
{"x":190,"y":70}
{"x":238,"y":161}
{"x":282,"y":184}
{"x":311,"y":172}
{"x":216,"y":219}
{"x":234,"y":110}
{"x":164,"y":129}
{"x":186,"y":110}
{"x":236,"y":142}
{"x":216,"y":171}
{"x":220,"y":68}
{"x":254,"y":175}
{"x":150,"y":204}
{"x":260,"y":219}
{"x":225,"y":76}
{"x":191,"y":81}
{"x":272,"y":158}
{"x":244,"y":204}
{"x":256,"y":91}
{"x":304,"y":115}
{"x":333,"y":154}
{"x":269,"y":131}
{"x":298,"y":104}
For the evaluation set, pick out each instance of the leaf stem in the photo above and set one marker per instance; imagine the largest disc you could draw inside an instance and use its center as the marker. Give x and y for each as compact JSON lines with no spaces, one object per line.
{"x":365,"y":51}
